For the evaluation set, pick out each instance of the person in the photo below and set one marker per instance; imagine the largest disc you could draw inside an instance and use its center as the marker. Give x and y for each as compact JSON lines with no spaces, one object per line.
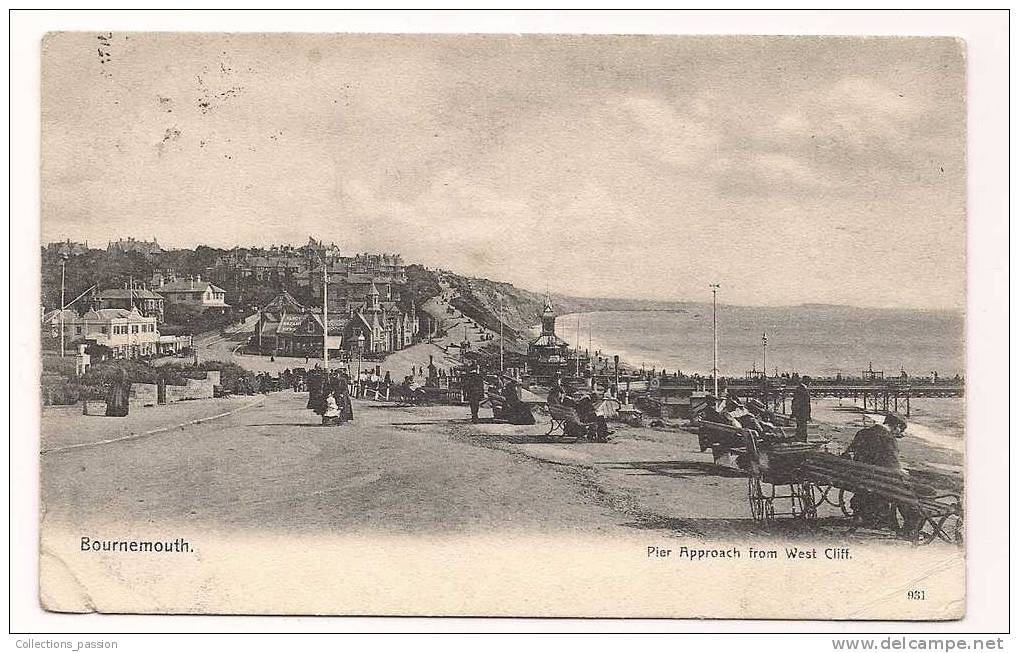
{"x":474,"y":385}
{"x":315,"y":396}
{"x":342,"y":389}
{"x":801,"y":410}
{"x":762,"y":420}
{"x":590,"y":424}
{"x":331,"y":414}
{"x":717,"y":414}
{"x":118,"y":401}
{"x":714,"y":413}
{"x":556,"y":391}
{"x":878,"y":445}
{"x":514,"y":410}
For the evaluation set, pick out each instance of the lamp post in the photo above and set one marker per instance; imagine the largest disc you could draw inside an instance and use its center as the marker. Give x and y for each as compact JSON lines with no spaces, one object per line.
{"x":325,"y":316}
{"x":360,"y":354}
{"x":578,"y":345}
{"x":764,"y":341}
{"x":502,"y":366}
{"x":714,"y":336}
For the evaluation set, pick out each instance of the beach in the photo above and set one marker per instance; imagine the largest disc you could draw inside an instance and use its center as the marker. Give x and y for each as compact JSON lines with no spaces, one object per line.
{"x":814,"y":340}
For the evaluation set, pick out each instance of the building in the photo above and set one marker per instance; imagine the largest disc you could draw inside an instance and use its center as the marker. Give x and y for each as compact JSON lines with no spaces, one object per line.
{"x":131,"y":245}
{"x":385,"y":326}
{"x":173,"y":345}
{"x":288,"y":328}
{"x":548,"y":353}
{"x":194,"y":294}
{"x":278,"y":321}
{"x":67,"y":248}
{"x":351,"y":279}
{"x":127,"y":333}
{"x":148,"y":303}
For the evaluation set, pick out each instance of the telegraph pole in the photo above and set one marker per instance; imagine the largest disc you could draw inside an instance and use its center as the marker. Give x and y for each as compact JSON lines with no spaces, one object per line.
{"x":764,"y":340}
{"x":325,"y":316}
{"x":63,"y":264}
{"x":130,"y":303}
{"x":714,"y":335}
{"x":502,"y":366}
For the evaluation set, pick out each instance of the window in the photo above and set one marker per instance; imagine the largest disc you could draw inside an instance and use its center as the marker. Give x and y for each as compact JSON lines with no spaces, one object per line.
{"x":134,"y":328}
{"x":77,"y":330}
{"x":105,"y":330}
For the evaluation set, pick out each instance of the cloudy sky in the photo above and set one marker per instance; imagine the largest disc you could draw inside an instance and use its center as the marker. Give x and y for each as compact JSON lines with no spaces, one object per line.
{"x":788,"y":170}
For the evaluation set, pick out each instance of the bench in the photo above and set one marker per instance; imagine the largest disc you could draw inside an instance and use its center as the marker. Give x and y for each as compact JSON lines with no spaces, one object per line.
{"x":940,"y":514}
{"x":723,"y":436}
{"x":561,"y":415}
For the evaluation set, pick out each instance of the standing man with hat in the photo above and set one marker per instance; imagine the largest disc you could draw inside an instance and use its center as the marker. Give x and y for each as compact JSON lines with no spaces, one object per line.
{"x":801,"y":410}
{"x":474,"y":386}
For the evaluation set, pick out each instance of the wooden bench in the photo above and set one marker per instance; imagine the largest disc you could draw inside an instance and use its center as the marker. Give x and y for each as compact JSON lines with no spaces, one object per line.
{"x":940,"y":514}
{"x":560,"y":415}
{"x":723,"y":436}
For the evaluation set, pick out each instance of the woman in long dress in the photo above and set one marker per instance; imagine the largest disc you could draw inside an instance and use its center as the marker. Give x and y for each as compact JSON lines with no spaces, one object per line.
{"x":119,"y":398}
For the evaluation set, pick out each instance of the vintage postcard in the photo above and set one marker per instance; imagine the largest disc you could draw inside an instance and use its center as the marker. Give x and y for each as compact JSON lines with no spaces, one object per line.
{"x":503,"y":325}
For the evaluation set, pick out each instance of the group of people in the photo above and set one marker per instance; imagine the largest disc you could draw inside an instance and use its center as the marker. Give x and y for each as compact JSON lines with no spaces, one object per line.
{"x":589,"y":425}
{"x":754,"y":414}
{"x":506,"y":397}
{"x":751,"y":414}
{"x":329,"y":396}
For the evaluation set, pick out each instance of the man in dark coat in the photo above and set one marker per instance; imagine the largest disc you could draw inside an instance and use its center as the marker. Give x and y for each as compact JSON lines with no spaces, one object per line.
{"x":801,"y":410}
{"x":474,"y":385}
{"x":342,"y":388}
{"x":878,"y":445}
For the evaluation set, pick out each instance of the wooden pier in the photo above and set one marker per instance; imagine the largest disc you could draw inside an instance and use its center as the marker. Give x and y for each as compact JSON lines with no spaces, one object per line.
{"x":878,"y":395}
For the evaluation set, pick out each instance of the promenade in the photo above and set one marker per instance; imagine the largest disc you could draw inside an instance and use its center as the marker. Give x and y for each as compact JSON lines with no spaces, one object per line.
{"x":403,"y":469}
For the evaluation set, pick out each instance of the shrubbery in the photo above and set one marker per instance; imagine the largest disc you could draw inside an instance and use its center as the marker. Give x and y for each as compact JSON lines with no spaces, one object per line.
{"x":60,"y":387}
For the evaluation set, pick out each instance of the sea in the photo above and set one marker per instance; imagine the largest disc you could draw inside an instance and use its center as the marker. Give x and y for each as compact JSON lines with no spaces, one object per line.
{"x":815,"y":340}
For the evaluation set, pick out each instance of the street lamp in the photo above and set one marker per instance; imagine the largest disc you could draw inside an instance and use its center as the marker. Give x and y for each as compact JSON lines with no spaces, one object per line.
{"x":714,"y":335}
{"x":360,"y":353}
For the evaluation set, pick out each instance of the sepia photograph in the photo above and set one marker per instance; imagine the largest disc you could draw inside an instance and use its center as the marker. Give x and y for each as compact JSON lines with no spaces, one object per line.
{"x":503,"y":325}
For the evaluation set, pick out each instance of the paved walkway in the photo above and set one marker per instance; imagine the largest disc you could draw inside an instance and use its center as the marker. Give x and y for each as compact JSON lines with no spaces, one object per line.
{"x":65,"y":427}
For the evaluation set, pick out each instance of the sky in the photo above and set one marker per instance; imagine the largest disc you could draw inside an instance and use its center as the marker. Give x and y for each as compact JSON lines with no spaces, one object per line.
{"x":787,"y":170}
